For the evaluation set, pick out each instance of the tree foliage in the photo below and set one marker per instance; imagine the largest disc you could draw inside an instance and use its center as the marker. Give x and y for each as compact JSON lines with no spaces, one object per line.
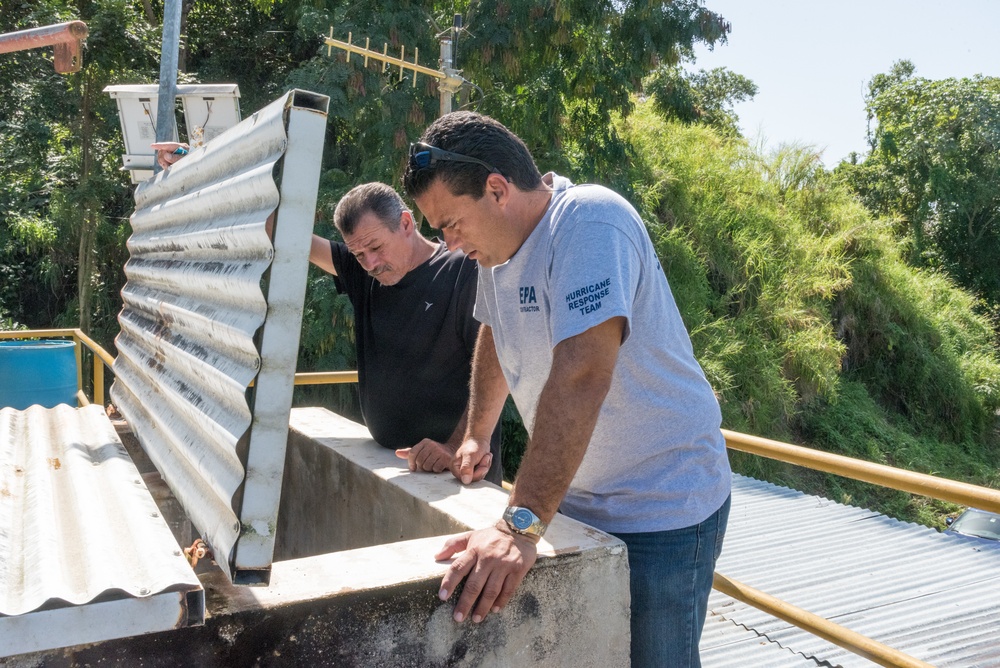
{"x":64,"y":204}
{"x":935,"y":167}
{"x":556,"y":75}
{"x":700,"y":97}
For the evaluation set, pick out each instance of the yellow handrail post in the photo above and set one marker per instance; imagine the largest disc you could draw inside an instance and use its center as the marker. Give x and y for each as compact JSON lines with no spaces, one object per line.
{"x":98,"y":381}
{"x":78,"y":351}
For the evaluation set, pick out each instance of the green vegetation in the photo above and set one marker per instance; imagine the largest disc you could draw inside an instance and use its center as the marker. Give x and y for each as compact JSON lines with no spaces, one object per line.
{"x":934,"y":167}
{"x":824,"y":307}
{"x":702,"y":97}
{"x":808,"y":320}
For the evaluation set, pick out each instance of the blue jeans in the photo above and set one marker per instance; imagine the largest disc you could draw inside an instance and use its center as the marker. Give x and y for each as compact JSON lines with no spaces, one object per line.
{"x":671,"y":577}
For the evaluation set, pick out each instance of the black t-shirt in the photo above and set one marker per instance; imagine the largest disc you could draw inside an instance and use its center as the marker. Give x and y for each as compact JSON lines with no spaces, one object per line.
{"x":414,"y":343}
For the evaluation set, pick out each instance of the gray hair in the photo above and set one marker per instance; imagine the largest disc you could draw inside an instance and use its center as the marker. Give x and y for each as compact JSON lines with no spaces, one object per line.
{"x":376,"y":198}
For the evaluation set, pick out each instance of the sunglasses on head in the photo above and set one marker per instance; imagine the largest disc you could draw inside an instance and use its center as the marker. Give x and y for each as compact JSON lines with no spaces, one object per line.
{"x":424,"y":155}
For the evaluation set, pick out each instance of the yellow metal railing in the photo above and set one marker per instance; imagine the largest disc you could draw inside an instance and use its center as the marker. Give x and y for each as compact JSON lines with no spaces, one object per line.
{"x":325,"y":377}
{"x":856,"y":469}
{"x":820,"y":626}
{"x":878,"y":474}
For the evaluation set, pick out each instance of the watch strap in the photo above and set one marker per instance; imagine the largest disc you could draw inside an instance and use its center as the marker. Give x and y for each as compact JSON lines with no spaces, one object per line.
{"x":523,"y":521}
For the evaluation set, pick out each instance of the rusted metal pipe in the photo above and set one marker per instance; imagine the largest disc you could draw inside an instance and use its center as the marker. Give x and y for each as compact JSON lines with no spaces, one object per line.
{"x":819,"y":626}
{"x":65,"y":37}
{"x":878,"y":474}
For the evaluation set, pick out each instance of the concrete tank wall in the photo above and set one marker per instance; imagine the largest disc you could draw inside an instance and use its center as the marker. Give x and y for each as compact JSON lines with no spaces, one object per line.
{"x":331,"y":502}
{"x":366,"y":594}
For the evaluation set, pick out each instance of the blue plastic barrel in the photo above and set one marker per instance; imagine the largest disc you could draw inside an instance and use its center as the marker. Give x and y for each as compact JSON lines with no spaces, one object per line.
{"x":37,"y":372}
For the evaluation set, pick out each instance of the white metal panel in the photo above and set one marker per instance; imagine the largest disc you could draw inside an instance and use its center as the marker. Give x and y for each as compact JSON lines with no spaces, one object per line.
{"x":211,"y":306}
{"x":931,"y":595}
{"x":78,"y":524}
{"x":209,"y":110}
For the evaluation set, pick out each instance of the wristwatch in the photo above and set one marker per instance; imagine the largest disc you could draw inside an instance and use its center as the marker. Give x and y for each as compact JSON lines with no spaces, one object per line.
{"x":523,"y":521}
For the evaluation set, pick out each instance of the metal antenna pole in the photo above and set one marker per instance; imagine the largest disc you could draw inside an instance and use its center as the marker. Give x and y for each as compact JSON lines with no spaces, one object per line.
{"x":456,"y":29}
{"x":165,"y":124}
{"x":449,"y":79}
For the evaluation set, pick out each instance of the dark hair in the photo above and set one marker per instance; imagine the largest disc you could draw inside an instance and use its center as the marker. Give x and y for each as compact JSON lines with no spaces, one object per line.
{"x":376,"y":198}
{"x":476,"y":136}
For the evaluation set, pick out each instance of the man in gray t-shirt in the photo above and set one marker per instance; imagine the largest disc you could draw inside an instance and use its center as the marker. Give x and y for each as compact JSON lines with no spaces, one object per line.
{"x":580,"y":326}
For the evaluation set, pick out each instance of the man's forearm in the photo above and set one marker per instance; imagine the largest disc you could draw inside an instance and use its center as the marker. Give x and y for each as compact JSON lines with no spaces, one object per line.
{"x":582,"y":369}
{"x":488,"y":390}
{"x":458,"y":433}
{"x":321,"y":255}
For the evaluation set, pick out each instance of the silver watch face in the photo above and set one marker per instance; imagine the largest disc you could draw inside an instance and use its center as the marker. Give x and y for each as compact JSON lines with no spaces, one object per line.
{"x":521,"y":519}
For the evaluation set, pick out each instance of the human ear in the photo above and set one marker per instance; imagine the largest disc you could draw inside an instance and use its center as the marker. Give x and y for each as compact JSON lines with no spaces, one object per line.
{"x":497,"y":187}
{"x":406,"y":221}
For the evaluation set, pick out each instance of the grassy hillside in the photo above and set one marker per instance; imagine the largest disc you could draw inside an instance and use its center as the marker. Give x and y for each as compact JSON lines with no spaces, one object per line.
{"x":808,"y":322}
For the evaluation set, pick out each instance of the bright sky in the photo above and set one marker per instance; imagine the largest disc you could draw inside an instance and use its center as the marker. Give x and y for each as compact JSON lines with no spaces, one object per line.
{"x":812,"y":59}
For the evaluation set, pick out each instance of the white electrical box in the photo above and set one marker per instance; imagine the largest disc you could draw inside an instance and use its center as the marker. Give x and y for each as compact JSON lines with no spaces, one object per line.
{"x":209,"y":110}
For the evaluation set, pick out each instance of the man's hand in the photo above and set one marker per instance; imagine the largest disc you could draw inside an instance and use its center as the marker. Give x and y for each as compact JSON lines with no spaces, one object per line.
{"x":472,"y":460}
{"x":493,"y":563}
{"x":428,"y":455}
{"x":431,"y":456}
{"x":165,"y":152}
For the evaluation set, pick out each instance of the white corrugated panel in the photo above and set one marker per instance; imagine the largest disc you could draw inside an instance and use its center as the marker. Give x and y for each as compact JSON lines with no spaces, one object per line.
{"x":931,"y":595}
{"x":77,"y":524}
{"x":212,"y":305}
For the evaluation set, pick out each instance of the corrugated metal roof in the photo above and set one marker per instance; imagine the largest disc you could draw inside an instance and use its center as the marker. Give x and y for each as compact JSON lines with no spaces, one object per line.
{"x":724,"y":644}
{"x":211,"y":305}
{"x":931,"y":595}
{"x":78,"y":524}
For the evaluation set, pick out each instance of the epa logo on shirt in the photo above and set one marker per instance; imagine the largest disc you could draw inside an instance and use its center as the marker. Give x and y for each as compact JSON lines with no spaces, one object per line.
{"x":528,"y":301}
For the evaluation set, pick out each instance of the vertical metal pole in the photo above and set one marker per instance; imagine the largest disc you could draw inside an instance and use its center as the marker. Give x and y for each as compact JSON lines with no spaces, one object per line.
{"x":78,"y":352}
{"x":446,"y":64}
{"x":165,"y":124}
{"x":456,"y":29}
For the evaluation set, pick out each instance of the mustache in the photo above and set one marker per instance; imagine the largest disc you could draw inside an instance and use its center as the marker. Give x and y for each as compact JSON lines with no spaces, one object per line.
{"x":379,"y":271}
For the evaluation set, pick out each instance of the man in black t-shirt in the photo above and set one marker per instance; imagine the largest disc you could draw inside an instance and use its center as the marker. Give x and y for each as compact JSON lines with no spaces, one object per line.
{"x":413,"y":325}
{"x":414,"y":330}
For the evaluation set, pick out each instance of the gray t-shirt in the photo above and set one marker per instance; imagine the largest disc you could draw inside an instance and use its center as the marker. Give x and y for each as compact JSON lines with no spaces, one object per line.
{"x":657,"y":459}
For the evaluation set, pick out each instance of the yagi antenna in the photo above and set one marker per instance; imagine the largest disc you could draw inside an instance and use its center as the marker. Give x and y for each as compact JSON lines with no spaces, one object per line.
{"x":449,"y":79}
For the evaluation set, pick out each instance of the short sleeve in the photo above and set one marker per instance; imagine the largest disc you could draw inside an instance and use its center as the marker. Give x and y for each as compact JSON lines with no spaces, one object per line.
{"x":481,"y":311}
{"x":349,"y":273}
{"x":468,"y":326}
{"x":593,"y":277}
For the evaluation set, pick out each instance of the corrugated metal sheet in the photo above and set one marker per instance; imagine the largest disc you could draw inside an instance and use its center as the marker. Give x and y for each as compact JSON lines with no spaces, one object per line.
{"x":212,"y":305}
{"x":931,"y":595}
{"x":724,"y":644}
{"x":78,"y":524}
